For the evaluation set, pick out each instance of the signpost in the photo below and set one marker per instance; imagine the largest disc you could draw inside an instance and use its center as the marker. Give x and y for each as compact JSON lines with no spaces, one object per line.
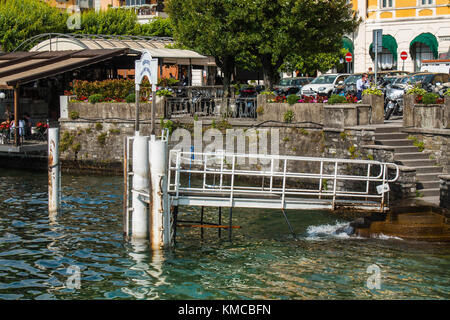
{"x":403,"y":56}
{"x":377,"y":47}
{"x":348,"y":59}
{"x":148,"y":67}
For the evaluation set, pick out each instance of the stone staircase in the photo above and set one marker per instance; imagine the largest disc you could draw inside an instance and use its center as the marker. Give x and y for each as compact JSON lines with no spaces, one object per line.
{"x":427,"y":170}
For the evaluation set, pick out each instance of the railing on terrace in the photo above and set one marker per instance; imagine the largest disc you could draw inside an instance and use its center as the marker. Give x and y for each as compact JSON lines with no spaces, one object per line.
{"x":327,"y":182}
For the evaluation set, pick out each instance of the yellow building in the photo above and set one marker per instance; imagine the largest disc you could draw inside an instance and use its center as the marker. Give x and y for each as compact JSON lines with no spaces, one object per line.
{"x":419,"y":27}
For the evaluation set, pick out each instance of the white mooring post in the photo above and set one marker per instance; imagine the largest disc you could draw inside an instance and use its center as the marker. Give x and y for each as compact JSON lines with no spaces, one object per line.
{"x":54,"y":171}
{"x":159,"y":211}
{"x":139,"y":217}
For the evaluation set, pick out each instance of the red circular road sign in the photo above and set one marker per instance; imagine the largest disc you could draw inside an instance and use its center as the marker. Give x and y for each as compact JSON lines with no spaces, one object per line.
{"x":403,"y":55}
{"x":348,"y":57}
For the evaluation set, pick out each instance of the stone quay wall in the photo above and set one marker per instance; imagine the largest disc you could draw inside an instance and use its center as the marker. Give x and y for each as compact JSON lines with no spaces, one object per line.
{"x":95,"y":141}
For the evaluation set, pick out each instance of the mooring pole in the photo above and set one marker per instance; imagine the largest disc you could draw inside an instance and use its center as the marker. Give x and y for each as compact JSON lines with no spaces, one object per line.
{"x":139,"y":217}
{"x":136,"y":121}
{"x":175,"y":221}
{"x":220,"y":222}
{"x":201,"y":222}
{"x":230,"y":222}
{"x":159,"y":211}
{"x":54,"y":171}
{"x":152,"y":129}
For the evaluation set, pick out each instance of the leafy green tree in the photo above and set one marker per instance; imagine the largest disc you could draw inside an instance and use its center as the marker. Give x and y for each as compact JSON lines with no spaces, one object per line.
{"x":111,"y":22}
{"x":320,"y":61}
{"x":278,"y":29}
{"x":23,"y":19}
{"x":158,"y":27}
{"x":211,"y":27}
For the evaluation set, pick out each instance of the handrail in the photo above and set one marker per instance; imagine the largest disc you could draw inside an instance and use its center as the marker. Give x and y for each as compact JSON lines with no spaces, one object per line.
{"x":211,"y":164}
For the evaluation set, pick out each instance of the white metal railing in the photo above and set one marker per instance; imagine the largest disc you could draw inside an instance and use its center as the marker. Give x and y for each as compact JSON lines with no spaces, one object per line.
{"x":334,"y":179}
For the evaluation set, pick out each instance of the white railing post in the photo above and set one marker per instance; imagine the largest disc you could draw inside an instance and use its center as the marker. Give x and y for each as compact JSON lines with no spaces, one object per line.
{"x":232,"y":180}
{"x":284,"y":183}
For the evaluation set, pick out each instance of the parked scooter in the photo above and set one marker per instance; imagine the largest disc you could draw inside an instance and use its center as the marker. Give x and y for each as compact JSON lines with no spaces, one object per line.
{"x":393,"y":103}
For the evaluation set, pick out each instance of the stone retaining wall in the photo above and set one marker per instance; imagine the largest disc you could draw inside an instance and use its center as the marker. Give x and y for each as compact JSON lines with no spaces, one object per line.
{"x":445,"y":191}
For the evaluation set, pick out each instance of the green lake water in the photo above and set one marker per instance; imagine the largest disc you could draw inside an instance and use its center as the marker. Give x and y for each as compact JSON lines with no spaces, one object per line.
{"x":262,"y":262}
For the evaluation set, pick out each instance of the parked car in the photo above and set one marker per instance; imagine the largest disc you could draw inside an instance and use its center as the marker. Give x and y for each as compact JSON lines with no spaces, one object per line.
{"x":292,"y":85}
{"x":349,"y":85}
{"x":429,"y":80}
{"x":323,"y":85}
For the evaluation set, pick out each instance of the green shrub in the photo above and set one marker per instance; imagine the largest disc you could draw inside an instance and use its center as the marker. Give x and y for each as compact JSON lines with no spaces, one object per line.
{"x":429,"y":98}
{"x":447,"y":93}
{"x":101,"y":138}
{"x":98,"y":126}
{"x":164,"y":93}
{"x":372,"y":91}
{"x":335,"y":99}
{"x":292,"y":99}
{"x":74,"y":115}
{"x":417,"y":90}
{"x":288,"y":116}
{"x":95,"y":98}
{"x":131,"y":98}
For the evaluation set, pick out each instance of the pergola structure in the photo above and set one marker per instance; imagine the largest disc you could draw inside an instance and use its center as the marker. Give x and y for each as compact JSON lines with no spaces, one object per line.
{"x":19,"y":68}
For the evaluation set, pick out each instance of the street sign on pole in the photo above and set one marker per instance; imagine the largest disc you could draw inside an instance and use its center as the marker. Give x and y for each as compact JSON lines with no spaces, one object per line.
{"x":403,"y":56}
{"x":377,"y":47}
{"x":348,"y":57}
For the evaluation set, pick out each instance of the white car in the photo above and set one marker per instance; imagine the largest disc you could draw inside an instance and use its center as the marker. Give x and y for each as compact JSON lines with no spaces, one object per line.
{"x":324,"y":84}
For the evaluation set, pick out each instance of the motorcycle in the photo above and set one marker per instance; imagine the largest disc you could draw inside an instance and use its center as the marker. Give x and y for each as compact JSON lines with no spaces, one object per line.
{"x":393,"y":103}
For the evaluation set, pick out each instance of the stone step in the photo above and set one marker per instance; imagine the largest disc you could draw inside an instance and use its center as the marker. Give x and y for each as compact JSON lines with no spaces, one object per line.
{"x":388,"y":129}
{"x":418,"y":162}
{"x":405,"y":149}
{"x":427,"y":185}
{"x":429,"y":169}
{"x":412,"y":155}
{"x":388,"y":136}
{"x":420,"y":218}
{"x":395,"y":142}
{"x":429,"y":192}
{"x":421,"y":177}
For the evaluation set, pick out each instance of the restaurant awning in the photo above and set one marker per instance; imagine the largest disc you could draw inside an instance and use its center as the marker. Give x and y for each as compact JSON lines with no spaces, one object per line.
{"x":389,"y":43}
{"x":427,"y":39}
{"x":347,"y":44}
{"x":157,"y":48}
{"x":17,"y":68}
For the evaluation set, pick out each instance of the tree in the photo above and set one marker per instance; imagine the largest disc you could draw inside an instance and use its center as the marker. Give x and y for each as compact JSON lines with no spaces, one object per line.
{"x":110,"y":22}
{"x":320,"y":61}
{"x":211,"y":27}
{"x":279,"y":30}
{"x":157,"y":27}
{"x":23,"y":19}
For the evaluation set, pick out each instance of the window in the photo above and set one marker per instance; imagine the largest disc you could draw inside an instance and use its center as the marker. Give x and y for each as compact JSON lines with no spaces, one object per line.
{"x":425,"y":2}
{"x":390,"y":3}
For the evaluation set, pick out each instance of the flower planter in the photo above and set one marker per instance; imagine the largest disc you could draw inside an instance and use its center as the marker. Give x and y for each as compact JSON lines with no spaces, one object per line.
{"x":346,"y":115}
{"x":431,"y":116}
{"x":408,"y":106}
{"x":377,"y":107}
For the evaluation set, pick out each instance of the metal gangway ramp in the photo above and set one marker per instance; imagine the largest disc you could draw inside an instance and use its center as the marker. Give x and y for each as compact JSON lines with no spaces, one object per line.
{"x":231,"y":180}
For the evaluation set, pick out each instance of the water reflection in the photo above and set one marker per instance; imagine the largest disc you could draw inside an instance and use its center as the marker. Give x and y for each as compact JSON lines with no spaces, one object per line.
{"x":262,"y":262}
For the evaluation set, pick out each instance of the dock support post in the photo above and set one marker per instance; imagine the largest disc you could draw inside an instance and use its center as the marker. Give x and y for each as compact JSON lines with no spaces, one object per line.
{"x":220,"y":222}
{"x":230,"y":222}
{"x":139,"y":220}
{"x":160,"y":227}
{"x":289,"y":224}
{"x":201,"y":222}
{"x":54,"y":171}
{"x":175,"y":221}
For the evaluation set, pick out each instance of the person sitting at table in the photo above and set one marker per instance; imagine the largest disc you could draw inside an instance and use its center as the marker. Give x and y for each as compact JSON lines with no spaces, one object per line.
{"x":28,"y":124}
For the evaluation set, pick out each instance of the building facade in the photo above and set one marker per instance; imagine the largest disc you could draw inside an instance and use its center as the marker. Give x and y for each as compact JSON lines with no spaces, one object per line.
{"x":421,"y":28}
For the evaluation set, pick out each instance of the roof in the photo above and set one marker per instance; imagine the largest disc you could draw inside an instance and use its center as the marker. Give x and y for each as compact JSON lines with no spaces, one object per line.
{"x":22,"y":67}
{"x":156,"y":47}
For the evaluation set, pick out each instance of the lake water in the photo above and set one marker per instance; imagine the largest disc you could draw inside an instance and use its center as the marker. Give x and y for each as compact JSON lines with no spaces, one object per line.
{"x":263,"y":261}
